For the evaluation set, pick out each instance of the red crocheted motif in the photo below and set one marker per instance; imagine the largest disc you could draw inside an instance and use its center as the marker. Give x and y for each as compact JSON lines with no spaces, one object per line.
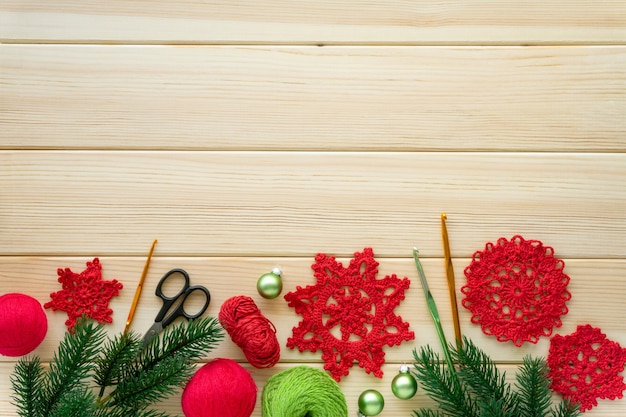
{"x":85,"y":293}
{"x":348,"y":314}
{"x":516,"y":290}
{"x":585,"y":366}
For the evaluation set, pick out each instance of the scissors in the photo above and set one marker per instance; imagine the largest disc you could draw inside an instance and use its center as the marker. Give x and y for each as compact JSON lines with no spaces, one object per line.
{"x":163,"y":319}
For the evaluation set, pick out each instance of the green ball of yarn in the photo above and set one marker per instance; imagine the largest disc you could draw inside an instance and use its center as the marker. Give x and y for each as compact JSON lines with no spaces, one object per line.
{"x":303,"y":391}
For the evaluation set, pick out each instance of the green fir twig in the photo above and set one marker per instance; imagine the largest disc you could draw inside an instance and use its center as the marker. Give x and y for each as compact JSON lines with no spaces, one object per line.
{"x":128,"y":379}
{"x":488,"y":385}
{"x":27,"y":381}
{"x":442,"y":385}
{"x":483,"y":390}
{"x":71,"y":365}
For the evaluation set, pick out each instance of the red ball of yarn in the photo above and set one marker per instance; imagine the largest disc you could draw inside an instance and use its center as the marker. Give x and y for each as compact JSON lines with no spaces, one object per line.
{"x":251,"y":331}
{"x":23,"y":324}
{"x":220,"y":388}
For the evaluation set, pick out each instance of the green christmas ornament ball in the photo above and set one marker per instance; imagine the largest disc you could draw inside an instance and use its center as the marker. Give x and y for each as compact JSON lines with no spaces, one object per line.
{"x":371,"y":403}
{"x":270,"y":285}
{"x":404,"y":385}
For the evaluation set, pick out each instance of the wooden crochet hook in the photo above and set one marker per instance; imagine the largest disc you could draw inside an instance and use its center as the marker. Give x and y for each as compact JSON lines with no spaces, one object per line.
{"x":451,"y":282}
{"x":133,"y":306}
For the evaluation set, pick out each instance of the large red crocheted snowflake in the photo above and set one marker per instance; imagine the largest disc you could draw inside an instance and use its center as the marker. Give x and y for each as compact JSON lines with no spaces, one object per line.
{"x":84,"y":294}
{"x":585,"y":366}
{"x":516,"y":290}
{"x":348,"y":314}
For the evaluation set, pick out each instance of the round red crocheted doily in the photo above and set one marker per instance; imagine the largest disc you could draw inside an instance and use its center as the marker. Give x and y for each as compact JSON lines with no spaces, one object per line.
{"x":516,"y":290}
{"x":585,"y":366}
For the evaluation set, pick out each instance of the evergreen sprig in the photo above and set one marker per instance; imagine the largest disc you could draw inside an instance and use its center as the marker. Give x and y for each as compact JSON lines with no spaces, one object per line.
{"x":442,"y":385}
{"x":482,"y":390}
{"x":27,"y":381}
{"x":534,"y":387}
{"x":129,"y":378}
{"x":71,"y":365}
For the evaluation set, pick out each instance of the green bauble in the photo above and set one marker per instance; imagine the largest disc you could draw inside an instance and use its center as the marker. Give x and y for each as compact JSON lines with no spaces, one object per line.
{"x":270,"y":285}
{"x":371,"y":402}
{"x":404,"y":386}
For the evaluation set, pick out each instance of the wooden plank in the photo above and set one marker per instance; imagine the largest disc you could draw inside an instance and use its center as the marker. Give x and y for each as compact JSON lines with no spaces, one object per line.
{"x":299,"y":203}
{"x":594,"y":301}
{"x":325,"y":22}
{"x":309,"y":98}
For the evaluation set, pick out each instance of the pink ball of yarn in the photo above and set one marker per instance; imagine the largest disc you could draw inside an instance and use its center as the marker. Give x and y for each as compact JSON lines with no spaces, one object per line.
{"x":23,"y":324}
{"x":221,"y":388}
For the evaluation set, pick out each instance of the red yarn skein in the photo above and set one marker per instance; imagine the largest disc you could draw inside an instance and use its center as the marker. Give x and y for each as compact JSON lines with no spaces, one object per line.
{"x":251,"y":331}
{"x":23,"y":324}
{"x":221,"y":388}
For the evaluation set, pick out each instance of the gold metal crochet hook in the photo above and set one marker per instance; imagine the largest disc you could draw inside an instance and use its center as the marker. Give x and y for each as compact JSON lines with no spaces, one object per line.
{"x":133,"y":306}
{"x":451,"y":282}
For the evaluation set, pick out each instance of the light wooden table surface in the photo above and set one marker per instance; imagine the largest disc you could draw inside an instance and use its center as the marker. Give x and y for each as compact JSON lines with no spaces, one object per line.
{"x":248,"y":135}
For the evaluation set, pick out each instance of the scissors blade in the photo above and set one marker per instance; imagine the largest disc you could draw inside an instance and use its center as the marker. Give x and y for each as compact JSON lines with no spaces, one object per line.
{"x":156,"y":328}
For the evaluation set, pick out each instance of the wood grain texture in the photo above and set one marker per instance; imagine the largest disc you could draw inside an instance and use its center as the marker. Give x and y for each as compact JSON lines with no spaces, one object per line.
{"x":326,"y":22}
{"x":246,"y":135}
{"x":309,"y":98}
{"x":299,"y":203}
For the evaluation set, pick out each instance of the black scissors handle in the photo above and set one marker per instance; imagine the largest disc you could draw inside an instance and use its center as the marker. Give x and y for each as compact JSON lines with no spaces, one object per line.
{"x":180,"y":297}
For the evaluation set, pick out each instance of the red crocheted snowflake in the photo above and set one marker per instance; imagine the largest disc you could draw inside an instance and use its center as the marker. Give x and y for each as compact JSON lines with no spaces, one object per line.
{"x":516,"y":290}
{"x":585,"y":366}
{"x":85,"y":293}
{"x":348,"y":314}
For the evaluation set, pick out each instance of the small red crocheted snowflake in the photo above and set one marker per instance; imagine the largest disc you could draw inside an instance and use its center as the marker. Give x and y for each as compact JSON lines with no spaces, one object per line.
{"x":516,"y":290}
{"x":585,"y":366}
{"x":348,"y":314}
{"x":85,"y":293}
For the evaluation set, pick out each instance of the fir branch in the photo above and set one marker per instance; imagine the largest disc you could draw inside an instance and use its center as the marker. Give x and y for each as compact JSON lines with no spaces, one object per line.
{"x":566,"y":409}
{"x":137,"y":379}
{"x":116,"y":357}
{"x":78,"y":402}
{"x":72,"y":363}
{"x":26,"y":381}
{"x":138,"y":391}
{"x":166,"y":363}
{"x":119,"y":412}
{"x":481,"y":375}
{"x":534,"y":387}
{"x":427,"y":412}
{"x":441,"y":385}
{"x":191,"y":341}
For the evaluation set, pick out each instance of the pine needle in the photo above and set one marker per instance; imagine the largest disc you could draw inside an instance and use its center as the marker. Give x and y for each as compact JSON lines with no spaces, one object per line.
{"x":140,"y":390}
{"x":534,"y":387}
{"x":77,"y":402}
{"x":26,"y":381}
{"x":481,"y":375}
{"x":441,"y":385}
{"x":191,"y":341}
{"x":166,"y":363}
{"x":483,"y":390}
{"x":426,"y":412}
{"x":71,"y":364}
{"x":136,"y":378}
{"x":566,"y":409}
{"x":116,"y":357}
